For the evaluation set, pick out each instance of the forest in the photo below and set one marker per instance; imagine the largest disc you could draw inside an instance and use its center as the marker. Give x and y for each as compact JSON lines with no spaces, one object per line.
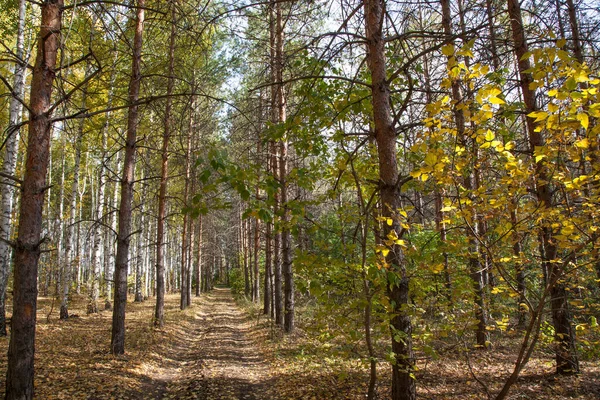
{"x":300,"y":199}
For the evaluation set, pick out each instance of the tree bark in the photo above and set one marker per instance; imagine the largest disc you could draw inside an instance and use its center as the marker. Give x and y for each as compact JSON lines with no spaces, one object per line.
{"x":139,"y":262}
{"x":185,"y":239}
{"x":117,"y":344}
{"x":403,"y":384}
{"x":21,"y":349}
{"x":96,"y":262}
{"x":69,"y":262}
{"x":110,"y":245}
{"x":470,"y":184}
{"x":162,"y":195}
{"x":199,"y":257}
{"x":566,"y":353}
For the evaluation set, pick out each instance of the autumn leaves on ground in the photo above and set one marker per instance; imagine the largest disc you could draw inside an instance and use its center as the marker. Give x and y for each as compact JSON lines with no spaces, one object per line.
{"x":217,"y":350}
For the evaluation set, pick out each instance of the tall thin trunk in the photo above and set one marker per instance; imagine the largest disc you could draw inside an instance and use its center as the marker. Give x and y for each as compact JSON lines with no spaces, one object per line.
{"x":110,"y":245}
{"x":439,"y":193}
{"x":139,"y":264}
{"x":567,"y":361}
{"x":162,"y":196}
{"x":403,"y":383}
{"x":278,"y":284}
{"x":69,"y":262}
{"x":185,"y":239}
{"x":520,"y":270}
{"x":575,"y":36}
{"x":267,"y":300}
{"x":199,"y":257}
{"x":244,"y":252}
{"x":286,"y":237}
{"x":59,"y":219}
{"x":251,"y":257}
{"x":9,"y":165}
{"x":470,"y":184}
{"x":256,"y":281}
{"x":19,"y":376}
{"x":117,"y":343}
{"x":47,"y":267}
{"x":96,"y":261}
{"x":191,"y":250}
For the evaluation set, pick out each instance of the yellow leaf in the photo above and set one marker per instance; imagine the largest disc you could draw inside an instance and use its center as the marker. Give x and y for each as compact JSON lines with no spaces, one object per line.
{"x":584,"y":120}
{"x":385,"y":252}
{"x":431,"y":159}
{"x":437,"y":268}
{"x":560,"y":43}
{"x":496,"y":100}
{"x":389,"y":221}
{"x":581,"y":76}
{"x":489,"y":135}
{"x":448,"y":49}
{"x":538,"y":115}
{"x":424,"y":177}
{"x":582,"y":144}
{"x":567,"y":230}
{"x":497,"y":144}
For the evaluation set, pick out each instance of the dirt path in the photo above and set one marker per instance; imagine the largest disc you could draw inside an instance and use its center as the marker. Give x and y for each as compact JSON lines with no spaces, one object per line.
{"x":213,"y":357}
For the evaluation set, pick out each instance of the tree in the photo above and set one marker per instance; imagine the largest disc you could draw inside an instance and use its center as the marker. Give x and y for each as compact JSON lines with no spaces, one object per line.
{"x":19,"y":376}
{"x":566,"y":354}
{"x":162,"y":195}
{"x":403,"y":382}
{"x":117,"y":344}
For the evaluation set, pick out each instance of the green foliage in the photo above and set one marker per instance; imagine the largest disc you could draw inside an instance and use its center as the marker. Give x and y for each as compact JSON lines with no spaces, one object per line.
{"x":236,"y":281}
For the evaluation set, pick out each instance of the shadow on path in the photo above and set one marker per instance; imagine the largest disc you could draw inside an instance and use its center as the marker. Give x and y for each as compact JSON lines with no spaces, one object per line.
{"x":211,"y":357}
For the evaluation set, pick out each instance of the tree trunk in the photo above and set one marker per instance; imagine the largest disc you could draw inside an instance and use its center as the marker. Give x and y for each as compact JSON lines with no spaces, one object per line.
{"x":199,"y":258}
{"x":575,"y":37}
{"x":59,"y":220}
{"x":185,"y":235}
{"x":19,"y":376}
{"x":139,"y":263}
{"x":183,"y":303}
{"x":256,"y":282}
{"x":9,"y":164}
{"x":96,"y":262}
{"x":403,"y":383}
{"x":244,"y":244}
{"x":67,"y":264}
{"x":470,"y":184}
{"x":278,"y":285}
{"x":286,"y":237}
{"x":110,"y":245}
{"x":117,"y":344}
{"x":69,"y":261}
{"x":566,"y":353}
{"x":267,"y":300}
{"x":162,"y":196}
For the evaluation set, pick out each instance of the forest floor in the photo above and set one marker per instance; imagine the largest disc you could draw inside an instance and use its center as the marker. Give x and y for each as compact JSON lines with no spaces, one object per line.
{"x":216,"y":350}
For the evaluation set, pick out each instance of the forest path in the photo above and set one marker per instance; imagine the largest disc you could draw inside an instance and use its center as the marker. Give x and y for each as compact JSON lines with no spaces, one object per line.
{"x":214,"y":357}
